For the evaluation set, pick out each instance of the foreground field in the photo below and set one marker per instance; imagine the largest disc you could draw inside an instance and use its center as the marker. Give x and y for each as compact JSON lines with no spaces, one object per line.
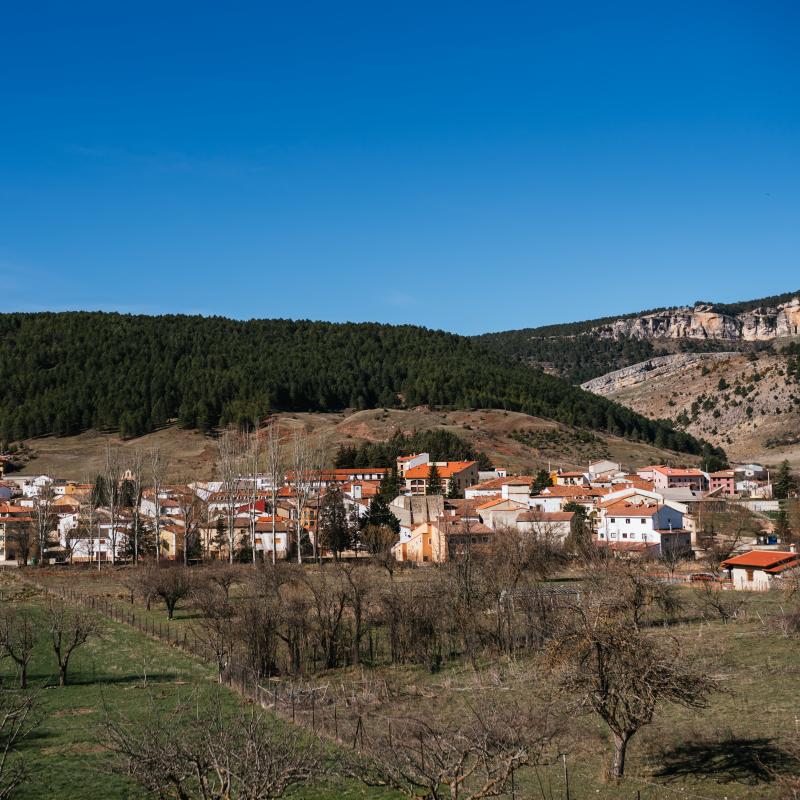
{"x":740,"y":746}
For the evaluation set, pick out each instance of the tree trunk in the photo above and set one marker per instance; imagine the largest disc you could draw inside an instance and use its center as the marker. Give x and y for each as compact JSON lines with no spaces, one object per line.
{"x":618,"y":761}
{"x":62,"y":674}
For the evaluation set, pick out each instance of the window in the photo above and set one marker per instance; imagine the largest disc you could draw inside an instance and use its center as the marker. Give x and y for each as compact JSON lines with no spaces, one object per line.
{"x":612,"y":519}
{"x":749,"y":575}
{"x":642,"y":520}
{"x":624,"y":535}
{"x":627,"y":522}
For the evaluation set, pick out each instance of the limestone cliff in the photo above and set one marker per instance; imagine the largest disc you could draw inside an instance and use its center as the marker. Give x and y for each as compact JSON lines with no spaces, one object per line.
{"x":703,"y":322}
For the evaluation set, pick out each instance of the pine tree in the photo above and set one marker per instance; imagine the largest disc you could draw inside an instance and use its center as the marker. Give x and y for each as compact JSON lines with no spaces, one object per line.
{"x":541,"y":481}
{"x":379,"y":514}
{"x":784,"y":483}
{"x":434,"y":481}
{"x":333,"y":526}
{"x":390,"y":485}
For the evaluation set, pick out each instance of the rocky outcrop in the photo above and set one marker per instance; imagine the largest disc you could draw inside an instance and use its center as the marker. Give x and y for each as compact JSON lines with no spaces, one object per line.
{"x":703,"y":322}
{"x":613,"y":382}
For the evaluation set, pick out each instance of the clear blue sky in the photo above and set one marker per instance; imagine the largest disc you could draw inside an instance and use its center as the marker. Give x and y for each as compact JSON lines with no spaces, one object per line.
{"x":467,"y":166}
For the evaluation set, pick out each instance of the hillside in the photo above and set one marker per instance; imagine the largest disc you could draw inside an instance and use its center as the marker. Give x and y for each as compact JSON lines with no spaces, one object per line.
{"x":71,"y":372}
{"x":584,"y":350}
{"x":747,"y":403}
{"x":517,"y":441}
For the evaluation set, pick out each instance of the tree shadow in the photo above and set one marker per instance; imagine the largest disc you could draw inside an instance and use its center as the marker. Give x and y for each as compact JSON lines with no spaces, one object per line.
{"x":732,"y":760}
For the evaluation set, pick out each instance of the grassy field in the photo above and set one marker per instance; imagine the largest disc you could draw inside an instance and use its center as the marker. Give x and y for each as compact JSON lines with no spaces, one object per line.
{"x":117,"y":672}
{"x":733,"y":749}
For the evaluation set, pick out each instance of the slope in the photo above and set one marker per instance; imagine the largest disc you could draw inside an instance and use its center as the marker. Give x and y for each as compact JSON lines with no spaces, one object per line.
{"x":70,"y":372}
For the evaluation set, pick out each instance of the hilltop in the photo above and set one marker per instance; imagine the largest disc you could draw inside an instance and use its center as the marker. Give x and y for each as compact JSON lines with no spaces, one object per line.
{"x":584,"y":350}
{"x":68,"y":373}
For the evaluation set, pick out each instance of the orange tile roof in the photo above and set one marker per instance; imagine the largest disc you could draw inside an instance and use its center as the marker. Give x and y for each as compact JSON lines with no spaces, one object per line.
{"x":671,"y":472}
{"x":447,"y":471}
{"x":772,"y":561}
{"x":623,"y":509}
{"x":496,"y":502}
{"x":573,"y":491}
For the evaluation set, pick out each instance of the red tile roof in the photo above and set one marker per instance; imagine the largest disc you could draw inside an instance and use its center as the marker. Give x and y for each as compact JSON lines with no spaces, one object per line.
{"x":623,"y":509}
{"x":447,"y":471}
{"x":772,"y":561}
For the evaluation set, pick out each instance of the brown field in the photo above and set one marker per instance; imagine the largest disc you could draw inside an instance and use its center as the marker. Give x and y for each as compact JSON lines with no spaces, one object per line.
{"x":490,"y":430}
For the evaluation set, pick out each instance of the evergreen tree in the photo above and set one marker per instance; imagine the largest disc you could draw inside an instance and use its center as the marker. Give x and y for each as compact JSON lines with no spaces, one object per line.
{"x":333,"y":527}
{"x":452,"y":491}
{"x":784,"y":484}
{"x":379,"y":514}
{"x":541,"y":480}
{"x":434,"y":485}
{"x":390,"y":485}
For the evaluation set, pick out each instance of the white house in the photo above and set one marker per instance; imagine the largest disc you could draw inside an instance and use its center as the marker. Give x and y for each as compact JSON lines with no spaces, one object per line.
{"x":642,"y":521}
{"x":759,"y":570}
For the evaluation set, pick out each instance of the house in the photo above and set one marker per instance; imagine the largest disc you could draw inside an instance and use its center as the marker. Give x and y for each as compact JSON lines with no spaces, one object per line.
{"x":551,"y":527}
{"x":603,"y":470}
{"x":501,"y":512}
{"x":759,"y":570}
{"x":722,"y":482}
{"x":412,"y":511}
{"x":459,"y":473}
{"x":672,"y":478}
{"x":445,"y":539}
{"x":570,"y":478}
{"x":643,"y":521}
{"x":494,"y":486}
{"x":554,"y":498}
{"x":409,"y":462}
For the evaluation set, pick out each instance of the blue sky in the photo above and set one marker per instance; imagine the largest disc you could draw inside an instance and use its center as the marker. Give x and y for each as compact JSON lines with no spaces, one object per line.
{"x":467,"y":166}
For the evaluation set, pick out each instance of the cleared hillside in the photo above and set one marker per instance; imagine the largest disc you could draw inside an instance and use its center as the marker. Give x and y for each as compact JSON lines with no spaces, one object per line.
{"x":509,"y":438}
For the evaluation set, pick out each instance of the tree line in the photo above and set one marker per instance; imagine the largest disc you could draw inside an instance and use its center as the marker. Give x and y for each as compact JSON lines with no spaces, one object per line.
{"x":61,"y":373}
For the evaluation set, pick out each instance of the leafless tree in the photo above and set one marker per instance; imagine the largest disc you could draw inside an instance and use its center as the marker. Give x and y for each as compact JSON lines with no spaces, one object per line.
{"x":191,"y":511}
{"x":215,"y":626}
{"x":171,"y":584}
{"x":254,"y":462}
{"x":473,"y":757}
{"x":44,"y":519}
{"x":136,"y":469}
{"x":158,"y":468}
{"x":112,"y":473}
{"x":230,"y":453}
{"x":69,"y":630}
{"x":17,"y":720}
{"x":217,"y":756}
{"x":723,"y":531}
{"x":224,"y":577}
{"x":716,"y":602}
{"x":307,"y":460}
{"x":608,"y":666}
{"x":18,"y":637}
{"x":276,"y":468}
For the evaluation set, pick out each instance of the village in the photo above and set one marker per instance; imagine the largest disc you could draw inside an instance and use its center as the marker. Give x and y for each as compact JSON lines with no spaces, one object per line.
{"x":727,"y":526}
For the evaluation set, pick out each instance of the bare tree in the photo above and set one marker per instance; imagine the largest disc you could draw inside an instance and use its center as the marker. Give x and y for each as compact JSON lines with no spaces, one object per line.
{"x":136,"y":470}
{"x":87,"y":527}
{"x":157,"y":478}
{"x":44,"y":519}
{"x":723,"y":531}
{"x":473,"y":757}
{"x":215,"y":626}
{"x":608,"y":666}
{"x":220,"y":756}
{"x":191,"y":512}
{"x":171,"y":584}
{"x":276,"y":467}
{"x":229,"y":462}
{"x":69,"y":630}
{"x":112,"y":473}
{"x":17,"y":720}
{"x":307,"y":458}
{"x":254,"y":461}
{"x":17,"y":640}
{"x":224,"y":576}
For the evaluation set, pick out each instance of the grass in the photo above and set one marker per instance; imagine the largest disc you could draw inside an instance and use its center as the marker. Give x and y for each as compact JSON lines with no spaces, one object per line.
{"x":733,"y":749}
{"x":117,"y":672}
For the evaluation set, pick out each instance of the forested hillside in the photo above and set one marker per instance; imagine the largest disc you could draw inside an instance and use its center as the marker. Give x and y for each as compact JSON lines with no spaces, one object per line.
{"x":65,"y":372}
